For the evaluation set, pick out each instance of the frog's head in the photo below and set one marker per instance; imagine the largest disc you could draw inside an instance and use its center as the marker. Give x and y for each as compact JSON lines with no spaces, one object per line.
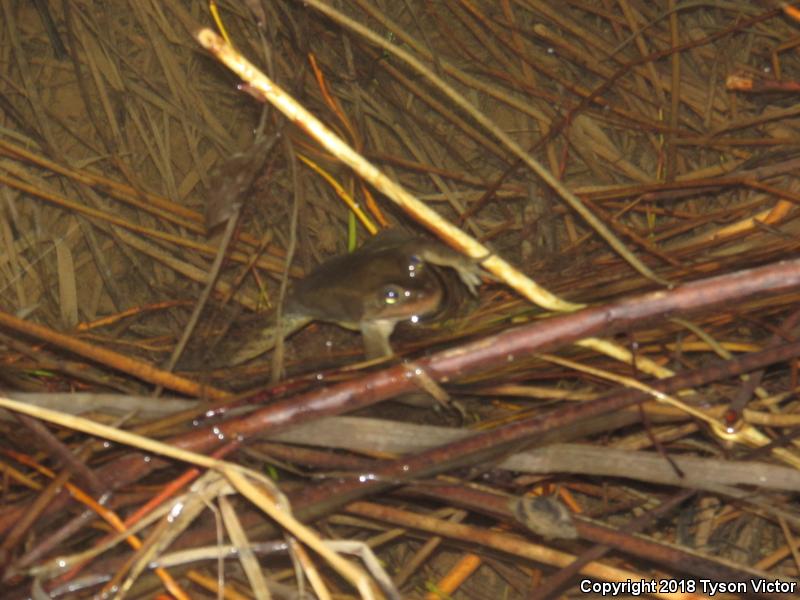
{"x":399,"y":287}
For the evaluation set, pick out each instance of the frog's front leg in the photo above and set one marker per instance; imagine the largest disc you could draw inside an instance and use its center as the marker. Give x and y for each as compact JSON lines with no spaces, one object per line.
{"x":375,"y":334}
{"x":468,"y":269}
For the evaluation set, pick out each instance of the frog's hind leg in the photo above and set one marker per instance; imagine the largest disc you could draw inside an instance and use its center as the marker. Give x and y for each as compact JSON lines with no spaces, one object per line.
{"x":233,"y":352}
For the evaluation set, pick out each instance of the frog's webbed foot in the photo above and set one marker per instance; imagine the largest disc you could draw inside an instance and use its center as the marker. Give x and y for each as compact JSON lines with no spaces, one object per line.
{"x":468,"y":269}
{"x":376,"y":337}
{"x":259,"y":343}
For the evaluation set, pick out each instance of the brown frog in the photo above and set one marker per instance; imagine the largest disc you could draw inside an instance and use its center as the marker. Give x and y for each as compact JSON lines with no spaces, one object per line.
{"x":391,"y":278}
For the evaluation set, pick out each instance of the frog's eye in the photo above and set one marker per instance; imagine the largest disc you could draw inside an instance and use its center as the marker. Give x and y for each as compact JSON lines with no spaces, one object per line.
{"x":392,"y":294}
{"x":415,"y":264}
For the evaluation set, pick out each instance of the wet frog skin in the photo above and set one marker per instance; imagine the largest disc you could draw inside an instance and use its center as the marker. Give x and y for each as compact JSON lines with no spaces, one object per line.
{"x":391,"y":278}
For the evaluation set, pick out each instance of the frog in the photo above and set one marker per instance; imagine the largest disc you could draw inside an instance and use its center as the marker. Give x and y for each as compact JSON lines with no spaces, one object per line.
{"x":393,"y":277}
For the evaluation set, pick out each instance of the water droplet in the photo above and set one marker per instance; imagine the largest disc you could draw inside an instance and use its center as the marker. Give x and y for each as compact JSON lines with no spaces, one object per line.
{"x":175,"y":511}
